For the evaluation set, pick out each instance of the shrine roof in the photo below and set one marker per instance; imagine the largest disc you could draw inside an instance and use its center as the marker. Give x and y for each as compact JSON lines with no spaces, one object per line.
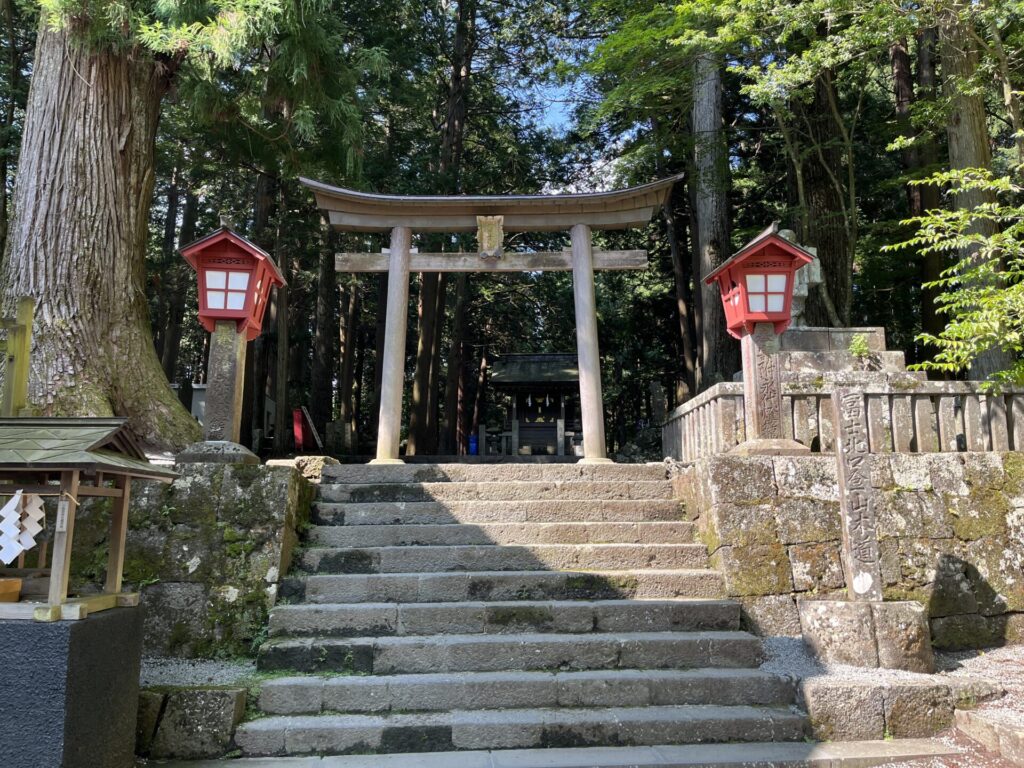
{"x":350,"y":210}
{"x":535,"y":368}
{"x":89,"y":444}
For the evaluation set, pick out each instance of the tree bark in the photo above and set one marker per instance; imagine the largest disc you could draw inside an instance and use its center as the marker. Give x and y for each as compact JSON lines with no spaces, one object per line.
{"x":830,"y":217}
{"x":263,"y":212}
{"x":914,"y":159}
{"x":420,"y":400}
{"x":929,"y":197}
{"x":968,"y":139}
{"x":78,"y":238}
{"x":450,"y":443}
{"x":321,"y":394}
{"x":378,"y":346}
{"x":348,"y":343}
{"x":178,"y":275}
{"x":163,"y":291}
{"x":719,"y":357}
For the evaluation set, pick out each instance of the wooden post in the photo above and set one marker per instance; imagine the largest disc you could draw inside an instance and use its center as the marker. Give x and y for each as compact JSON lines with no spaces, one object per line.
{"x":591,"y":403}
{"x":18,"y":348}
{"x":389,"y":427}
{"x":860,"y":554}
{"x":118,"y":531}
{"x":63,"y":534}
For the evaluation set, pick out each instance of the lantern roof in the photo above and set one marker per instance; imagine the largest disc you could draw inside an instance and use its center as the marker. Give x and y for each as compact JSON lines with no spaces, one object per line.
{"x":770,"y":236}
{"x":351,"y":210}
{"x":224,"y":233}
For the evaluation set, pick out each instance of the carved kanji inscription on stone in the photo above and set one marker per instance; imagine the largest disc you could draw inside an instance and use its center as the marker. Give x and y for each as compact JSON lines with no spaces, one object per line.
{"x":762,"y":390}
{"x":856,"y":497}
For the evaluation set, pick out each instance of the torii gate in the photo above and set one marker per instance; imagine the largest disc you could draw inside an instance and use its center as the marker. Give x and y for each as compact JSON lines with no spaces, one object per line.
{"x":351,"y":211}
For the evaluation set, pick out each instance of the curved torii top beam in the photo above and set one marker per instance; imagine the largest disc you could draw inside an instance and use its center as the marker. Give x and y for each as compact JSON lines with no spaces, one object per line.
{"x":352,"y":211}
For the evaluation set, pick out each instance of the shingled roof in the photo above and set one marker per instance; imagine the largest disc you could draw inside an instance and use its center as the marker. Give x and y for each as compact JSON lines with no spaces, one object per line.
{"x":88,"y":444}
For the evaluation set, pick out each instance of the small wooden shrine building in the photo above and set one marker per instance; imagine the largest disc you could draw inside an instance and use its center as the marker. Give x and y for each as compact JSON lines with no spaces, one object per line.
{"x":48,"y":466}
{"x":490,"y":216}
{"x":543,"y":413}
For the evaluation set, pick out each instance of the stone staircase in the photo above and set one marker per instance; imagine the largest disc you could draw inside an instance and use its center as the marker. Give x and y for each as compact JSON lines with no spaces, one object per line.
{"x":469,"y":607}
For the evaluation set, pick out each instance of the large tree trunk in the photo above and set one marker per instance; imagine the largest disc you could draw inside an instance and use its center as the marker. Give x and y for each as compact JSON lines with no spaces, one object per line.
{"x":178,"y":274}
{"x":914,"y":160}
{"x":967,"y":134}
{"x":349,"y":343}
{"x":830,"y":220}
{"x":719,"y":357}
{"x":929,"y":197}
{"x":420,"y":401}
{"x":450,"y":444}
{"x":77,"y":242}
{"x":321,"y":392}
{"x":264,"y":208}
{"x":163,"y":288}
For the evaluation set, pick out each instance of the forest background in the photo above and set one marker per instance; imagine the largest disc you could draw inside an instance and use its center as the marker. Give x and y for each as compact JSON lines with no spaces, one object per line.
{"x":150,"y":122}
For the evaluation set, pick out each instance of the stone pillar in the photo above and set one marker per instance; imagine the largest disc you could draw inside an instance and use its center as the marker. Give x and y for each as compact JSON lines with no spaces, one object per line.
{"x":860,"y":554}
{"x":591,"y":403}
{"x":762,"y":396}
{"x":393,"y":369}
{"x":225,"y":376}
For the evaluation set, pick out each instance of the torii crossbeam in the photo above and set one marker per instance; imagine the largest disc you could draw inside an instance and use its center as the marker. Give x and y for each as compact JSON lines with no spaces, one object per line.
{"x":490,"y":215}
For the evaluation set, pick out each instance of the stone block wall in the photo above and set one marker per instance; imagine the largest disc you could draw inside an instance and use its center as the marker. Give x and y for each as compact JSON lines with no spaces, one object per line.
{"x":950,"y":525}
{"x":207,"y":553}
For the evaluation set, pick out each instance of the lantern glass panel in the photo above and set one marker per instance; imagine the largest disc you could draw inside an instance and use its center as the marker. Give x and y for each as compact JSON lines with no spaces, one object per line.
{"x":215,"y":299}
{"x":755,"y":284}
{"x":756,"y":302}
{"x":236,"y":300}
{"x":216,"y":279}
{"x":776,"y":283}
{"x":238,"y":281}
{"x":776,"y":302}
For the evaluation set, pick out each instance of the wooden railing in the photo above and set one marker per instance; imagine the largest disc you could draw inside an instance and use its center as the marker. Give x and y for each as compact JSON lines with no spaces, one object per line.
{"x":15,"y":346}
{"x":918,"y":417}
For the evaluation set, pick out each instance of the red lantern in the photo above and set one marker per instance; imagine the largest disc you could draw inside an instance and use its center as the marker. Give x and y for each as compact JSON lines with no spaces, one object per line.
{"x":757,"y":282}
{"x":235,"y":278}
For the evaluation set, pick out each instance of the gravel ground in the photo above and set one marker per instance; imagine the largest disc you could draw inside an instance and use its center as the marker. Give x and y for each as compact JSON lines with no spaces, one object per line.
{"x":159,"y":671}
{"x":1002,"y":666}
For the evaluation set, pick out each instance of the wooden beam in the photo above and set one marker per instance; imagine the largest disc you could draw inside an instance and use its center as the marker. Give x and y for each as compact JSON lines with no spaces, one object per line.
{"x":63,"y":533}
{"x":541,"y":261}
{"x":116,"y":539}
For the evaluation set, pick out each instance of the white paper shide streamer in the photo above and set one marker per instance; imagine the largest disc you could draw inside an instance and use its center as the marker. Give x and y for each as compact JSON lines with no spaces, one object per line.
{"x":21,"y":520}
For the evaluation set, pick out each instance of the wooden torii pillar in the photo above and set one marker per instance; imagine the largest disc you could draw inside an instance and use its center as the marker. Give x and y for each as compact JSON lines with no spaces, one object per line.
{"x":490,"y":216}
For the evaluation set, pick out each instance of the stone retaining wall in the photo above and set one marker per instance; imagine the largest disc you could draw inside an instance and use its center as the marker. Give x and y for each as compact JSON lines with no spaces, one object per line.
{"x":207,"y":553}
{"x":951,"y":533}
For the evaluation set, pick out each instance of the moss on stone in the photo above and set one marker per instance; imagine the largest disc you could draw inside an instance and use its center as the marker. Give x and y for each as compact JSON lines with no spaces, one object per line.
{"x":526,"y":615}
{"x":983,"y":513}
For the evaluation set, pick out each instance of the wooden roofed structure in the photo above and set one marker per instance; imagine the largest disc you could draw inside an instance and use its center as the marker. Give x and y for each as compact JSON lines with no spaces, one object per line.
{"x":67,"y":460}
{"x":490,"y":215}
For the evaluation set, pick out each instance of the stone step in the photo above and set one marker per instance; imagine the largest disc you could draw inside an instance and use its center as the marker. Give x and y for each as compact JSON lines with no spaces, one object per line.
{"x":442,"y":513}
{"x":476,"y":473}
{"x":509,"y":729}
{"x":501,"y":533}
{"x":516,"y":690}
{"x":525,"y":490}
{"x":387,"y":619}
{"x":844,"y":754}
{"x":520,"y":652}
{"x":643,"y":584}
{"x":491,"y":557}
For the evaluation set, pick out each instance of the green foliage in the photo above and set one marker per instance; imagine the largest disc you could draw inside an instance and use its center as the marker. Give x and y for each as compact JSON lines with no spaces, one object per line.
{"x":859,"y":346}
{"x":982,"y":294}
